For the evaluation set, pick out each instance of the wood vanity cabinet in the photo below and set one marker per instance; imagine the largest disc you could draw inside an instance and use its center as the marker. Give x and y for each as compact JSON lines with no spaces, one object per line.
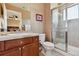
{"x":28,"y":46}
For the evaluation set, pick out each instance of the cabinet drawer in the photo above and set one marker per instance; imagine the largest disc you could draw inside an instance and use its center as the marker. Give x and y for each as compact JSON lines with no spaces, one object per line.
{"x":1,"y":46}
{"x":12,"y":52}
{"x":26,"y":40}
{"x":11,"y":44}
{"x":27,"y":50}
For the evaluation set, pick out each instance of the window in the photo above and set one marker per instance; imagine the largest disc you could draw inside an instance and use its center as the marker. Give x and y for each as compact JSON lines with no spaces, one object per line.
{"x":72,"y":12}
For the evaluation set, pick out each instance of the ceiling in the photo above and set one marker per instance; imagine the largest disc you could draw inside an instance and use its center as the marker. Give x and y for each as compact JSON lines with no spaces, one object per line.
{"x":22,"y":5}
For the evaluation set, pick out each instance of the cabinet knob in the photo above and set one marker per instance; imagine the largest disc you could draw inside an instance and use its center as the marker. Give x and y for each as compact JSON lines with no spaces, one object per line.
{"x":19,"y":48}
{"x":23,"y":47}
{"x":21,"y":42}
{"x":36,"y":39}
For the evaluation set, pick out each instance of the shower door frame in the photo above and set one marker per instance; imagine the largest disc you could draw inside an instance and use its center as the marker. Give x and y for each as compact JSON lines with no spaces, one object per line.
{"x":66,"y":40}
{"x":66,"y":33}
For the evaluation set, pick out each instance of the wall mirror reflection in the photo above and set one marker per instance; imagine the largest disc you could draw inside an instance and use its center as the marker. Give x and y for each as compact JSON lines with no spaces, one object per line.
{"x":14,"y":20}
{"x":18,"y":18}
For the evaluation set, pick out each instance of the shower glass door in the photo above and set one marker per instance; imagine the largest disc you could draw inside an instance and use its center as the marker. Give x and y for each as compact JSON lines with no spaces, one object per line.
{"x":59,"y":32}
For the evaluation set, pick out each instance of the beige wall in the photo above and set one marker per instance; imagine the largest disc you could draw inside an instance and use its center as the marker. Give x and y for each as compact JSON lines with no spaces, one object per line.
{"x":37,"y":26}
{"x":47,"y":22}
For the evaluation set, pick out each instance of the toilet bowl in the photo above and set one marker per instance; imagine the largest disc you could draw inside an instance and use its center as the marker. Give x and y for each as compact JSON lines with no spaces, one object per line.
{"x":48,"y":46}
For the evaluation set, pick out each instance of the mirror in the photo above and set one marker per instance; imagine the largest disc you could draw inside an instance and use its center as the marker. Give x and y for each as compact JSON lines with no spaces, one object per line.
{"x":14,"y":20}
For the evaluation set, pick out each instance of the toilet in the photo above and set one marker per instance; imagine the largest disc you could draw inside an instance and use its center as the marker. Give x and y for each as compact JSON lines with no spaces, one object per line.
{"x":48,"y":46}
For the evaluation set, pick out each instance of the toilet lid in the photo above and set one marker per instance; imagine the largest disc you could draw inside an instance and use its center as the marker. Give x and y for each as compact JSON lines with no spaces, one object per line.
{"x":48,"y":44}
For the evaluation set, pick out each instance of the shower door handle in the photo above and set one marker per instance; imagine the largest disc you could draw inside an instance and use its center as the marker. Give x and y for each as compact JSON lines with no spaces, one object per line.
{"x":66,"y":40}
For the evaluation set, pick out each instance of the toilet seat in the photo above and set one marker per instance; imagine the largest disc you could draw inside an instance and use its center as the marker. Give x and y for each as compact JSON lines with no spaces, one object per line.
{"x":48,"y":45}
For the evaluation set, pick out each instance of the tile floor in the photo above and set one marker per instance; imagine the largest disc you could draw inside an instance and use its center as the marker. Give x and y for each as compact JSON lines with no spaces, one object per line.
{"x":54,"y":53}
{"x":71,"y":49}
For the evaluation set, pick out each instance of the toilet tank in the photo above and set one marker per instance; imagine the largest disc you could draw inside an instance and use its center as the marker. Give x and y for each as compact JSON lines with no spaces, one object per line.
{"x":42,"y":37}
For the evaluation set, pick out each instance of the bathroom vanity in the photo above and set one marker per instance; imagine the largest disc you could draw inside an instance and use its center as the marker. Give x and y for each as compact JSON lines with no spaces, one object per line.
{"x":21,"y":44}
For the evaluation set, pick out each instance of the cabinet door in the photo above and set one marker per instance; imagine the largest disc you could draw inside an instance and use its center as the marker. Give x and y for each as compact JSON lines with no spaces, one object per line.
{"x":30,"y":50}
{"x":13,"y":52}
{"x":1,"y":46}
{"x":27,"y":50}
{"x":35,"y":49}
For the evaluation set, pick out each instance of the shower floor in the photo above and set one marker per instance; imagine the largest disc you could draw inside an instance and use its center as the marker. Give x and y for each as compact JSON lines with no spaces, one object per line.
{"x":71,"y":49}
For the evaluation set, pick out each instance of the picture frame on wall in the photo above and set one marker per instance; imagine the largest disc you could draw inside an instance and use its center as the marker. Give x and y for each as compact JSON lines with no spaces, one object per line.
{"x":39,"y":17}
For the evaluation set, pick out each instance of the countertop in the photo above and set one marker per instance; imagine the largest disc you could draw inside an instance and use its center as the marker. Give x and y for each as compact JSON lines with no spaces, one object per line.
{"x":16,"y":36}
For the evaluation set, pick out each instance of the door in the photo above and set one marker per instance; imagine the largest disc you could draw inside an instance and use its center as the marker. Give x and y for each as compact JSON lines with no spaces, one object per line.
{"x":30,"y":50}
{"x":59,"y":28}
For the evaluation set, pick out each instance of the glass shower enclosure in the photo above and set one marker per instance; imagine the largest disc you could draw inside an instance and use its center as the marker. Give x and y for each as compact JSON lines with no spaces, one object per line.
{"x":59,"y":28}
{"x":65,"y":28}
